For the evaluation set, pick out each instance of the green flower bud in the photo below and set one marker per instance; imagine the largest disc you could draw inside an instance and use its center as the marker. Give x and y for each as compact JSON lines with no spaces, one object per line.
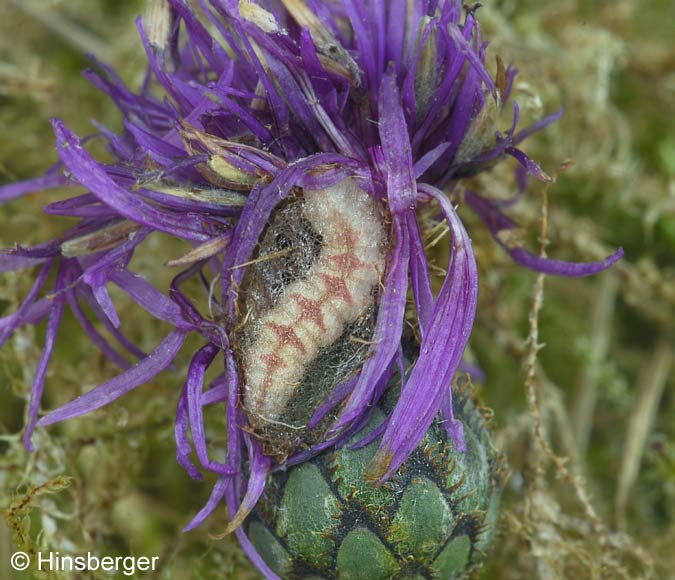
{"x":433,"y":519}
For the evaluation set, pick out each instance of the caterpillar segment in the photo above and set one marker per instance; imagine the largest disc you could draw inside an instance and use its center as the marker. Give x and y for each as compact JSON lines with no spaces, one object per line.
{"x":312,"y":312}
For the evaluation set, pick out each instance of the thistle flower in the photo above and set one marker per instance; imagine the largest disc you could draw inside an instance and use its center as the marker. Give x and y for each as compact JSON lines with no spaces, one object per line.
{"x":435,"y":518}
{"x":294,"y":144}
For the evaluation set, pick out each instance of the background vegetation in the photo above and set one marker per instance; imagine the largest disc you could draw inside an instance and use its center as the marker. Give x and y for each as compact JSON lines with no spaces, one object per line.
{"x":588,"y":424}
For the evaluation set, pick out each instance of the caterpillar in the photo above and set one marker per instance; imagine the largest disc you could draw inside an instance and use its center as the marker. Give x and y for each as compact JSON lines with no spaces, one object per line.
{"x":316,"y":276}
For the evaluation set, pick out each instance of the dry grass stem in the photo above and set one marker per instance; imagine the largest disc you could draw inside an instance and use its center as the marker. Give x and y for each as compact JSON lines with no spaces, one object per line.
{"x":651,"y":389}
{"x":602,"y":315}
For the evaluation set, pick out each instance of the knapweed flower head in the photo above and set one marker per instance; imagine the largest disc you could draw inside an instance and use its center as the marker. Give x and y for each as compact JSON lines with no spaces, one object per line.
{"x":295,"y":144}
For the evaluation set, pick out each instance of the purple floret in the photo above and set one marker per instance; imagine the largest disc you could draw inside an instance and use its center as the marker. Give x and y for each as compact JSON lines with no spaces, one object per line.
{"x":392,"y":92}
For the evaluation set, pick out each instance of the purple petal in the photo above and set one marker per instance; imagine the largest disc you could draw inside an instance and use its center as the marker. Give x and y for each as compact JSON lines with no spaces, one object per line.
{"x":86,"y":294}
{"x":532,"y":167}
{"x":368,"y":439}
{"x":47,"y":181}
{"x":254,"y":556}
{"x":33,"y":314}
{"x":497,"y":222}
{"x":10,"y":323}
{"x":561,"y":267}
{"x":85,"y":205}
{"x":453,"y":427}
{"x":429,"y":158}
{"x":149,"y":298}
{"x":104,"y":301}
{"x":12,"y":263}
{"x":140,"y":373}
{"x":259,"y":467}
{"x":180,"y":430}
{"x":193,"y":388}
{"x":232,"y":412}
{"x":401,"y":184}
{"x":216,"y":394}
{"x":419,"y":273}
{"x":440,"y":352}
{"x":158,"y":148}
{"x":332,"y":400}
{"x":538,"y":126}
{"x":217,"y":494}
{"x":94,"y":335}
{"x":121,"y":145}
{"x":476,"y":373}
{"x":388,"y":329}
{"x":91,"y":174}
{"x":40,"y":372}
{"x":363,"y":41}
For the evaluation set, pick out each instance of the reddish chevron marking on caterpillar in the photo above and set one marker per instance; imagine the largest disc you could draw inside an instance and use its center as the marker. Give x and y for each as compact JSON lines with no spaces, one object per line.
{"x":312,"y":312}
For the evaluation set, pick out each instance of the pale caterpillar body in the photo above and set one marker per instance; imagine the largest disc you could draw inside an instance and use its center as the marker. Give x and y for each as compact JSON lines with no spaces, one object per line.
{"x":312,"y":312}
